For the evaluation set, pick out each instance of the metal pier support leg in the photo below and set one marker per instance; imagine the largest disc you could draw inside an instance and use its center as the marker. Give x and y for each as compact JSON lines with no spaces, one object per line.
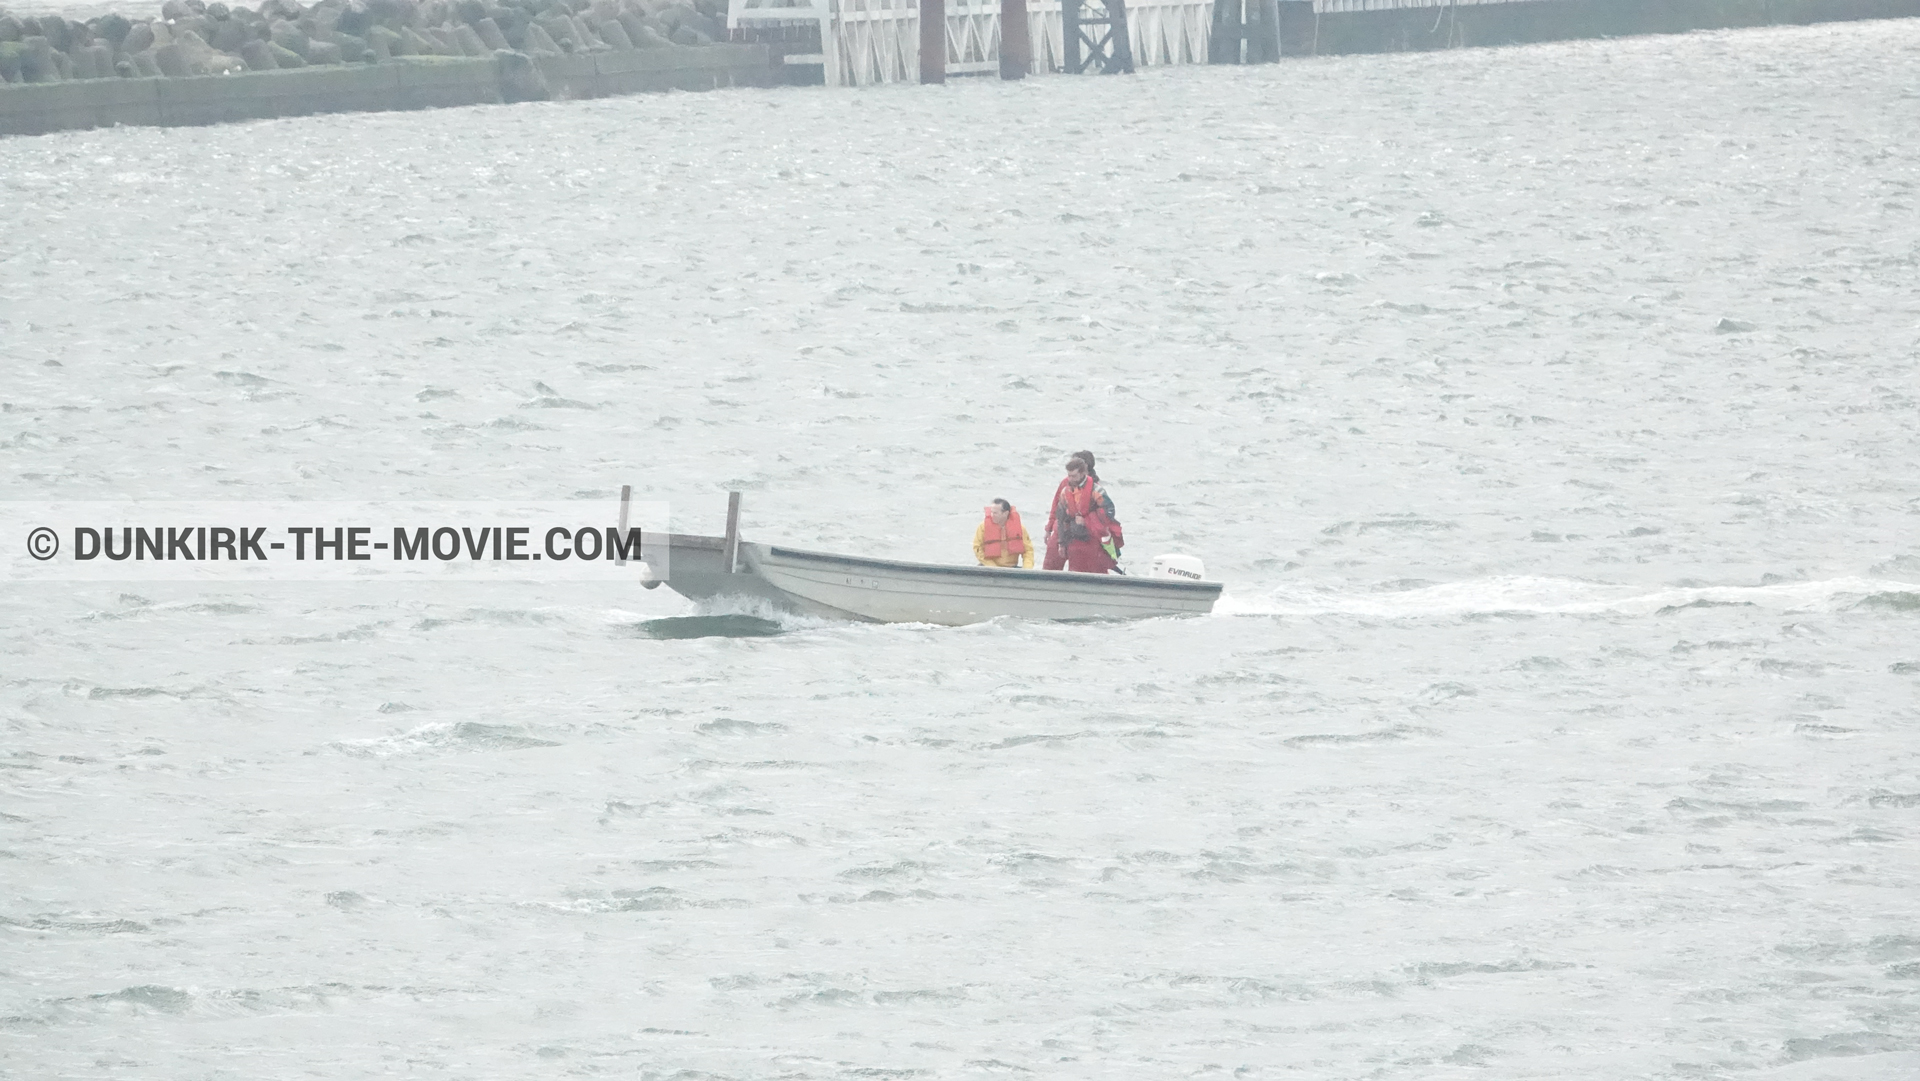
{"x":730,"y":554}
{"x":1223,"y":46}
{"x":1119,"y":40}
{"x":626,"y":500}
{"x":1016,"y":42}
{"x":1070,"y":35}
{"x":933,"y":41}
{"x":1090,"y":35}
{"x":1263,"y":31}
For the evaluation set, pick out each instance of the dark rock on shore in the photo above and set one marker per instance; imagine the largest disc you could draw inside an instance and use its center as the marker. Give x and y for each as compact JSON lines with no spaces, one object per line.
{"x":288,"y":37}
{"x":469,"y":41}
{"x":93,"y":62}
{"x":112,"y":29}
{"x":539,"y":42}
{"x":55,"y":30}
{"x":172,"y":61}
{"x":230,"y":34}
{"x":36,"y":61}
{"x":353,"y":48}
{"x":520,"y":78}
{"x":418,"y":44}
{"x":382,"y":41}
{"x":490,"y":34}
{"x":258,"y":55}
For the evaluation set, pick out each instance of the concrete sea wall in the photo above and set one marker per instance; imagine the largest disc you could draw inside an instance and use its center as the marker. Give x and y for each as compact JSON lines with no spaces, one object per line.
{"x":1303,"y":33}
{"x":399,"y":84}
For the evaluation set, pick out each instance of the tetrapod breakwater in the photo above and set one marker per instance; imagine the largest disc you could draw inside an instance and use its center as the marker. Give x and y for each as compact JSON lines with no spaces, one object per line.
{"x":201,"y":63}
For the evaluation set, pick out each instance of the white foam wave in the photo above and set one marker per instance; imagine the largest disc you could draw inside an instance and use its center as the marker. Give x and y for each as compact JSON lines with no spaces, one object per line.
{"x":1559,"y":596}
{"x":440,"y":737}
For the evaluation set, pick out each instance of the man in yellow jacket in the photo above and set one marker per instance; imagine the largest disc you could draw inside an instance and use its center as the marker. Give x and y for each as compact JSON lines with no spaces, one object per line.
{"x":1001,"y":541}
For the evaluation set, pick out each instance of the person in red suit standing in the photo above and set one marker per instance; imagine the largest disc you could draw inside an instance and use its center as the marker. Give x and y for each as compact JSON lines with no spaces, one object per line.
{"x":1082,"y":531}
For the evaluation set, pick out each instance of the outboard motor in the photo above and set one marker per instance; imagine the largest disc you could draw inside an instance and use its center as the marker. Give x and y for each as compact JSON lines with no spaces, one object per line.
{"x":1175,"y":565}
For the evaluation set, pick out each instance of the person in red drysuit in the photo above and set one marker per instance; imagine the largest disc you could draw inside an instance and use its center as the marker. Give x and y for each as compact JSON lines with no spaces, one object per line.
{"x":1081,"y":523}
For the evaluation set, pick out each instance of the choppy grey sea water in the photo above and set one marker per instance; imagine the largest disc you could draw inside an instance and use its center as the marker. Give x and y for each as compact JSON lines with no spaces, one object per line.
{"x":1550,"y":412}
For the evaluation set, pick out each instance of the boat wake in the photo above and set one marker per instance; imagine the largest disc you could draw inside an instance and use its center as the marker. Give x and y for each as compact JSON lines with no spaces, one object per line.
{"x":1565,"y":596}
{"x":720,"y":617}
{"x":727,"y":626}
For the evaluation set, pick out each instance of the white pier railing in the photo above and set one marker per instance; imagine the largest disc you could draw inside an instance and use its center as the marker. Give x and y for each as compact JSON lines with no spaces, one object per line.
{"x":862,"y":42}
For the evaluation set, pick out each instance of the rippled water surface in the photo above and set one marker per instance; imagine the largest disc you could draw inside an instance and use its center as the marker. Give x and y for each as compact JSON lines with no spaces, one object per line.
{"x":1550,"y":413}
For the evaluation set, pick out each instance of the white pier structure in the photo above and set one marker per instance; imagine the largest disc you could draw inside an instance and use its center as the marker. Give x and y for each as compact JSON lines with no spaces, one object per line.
{"x":878,"y":41}
{"x":1338,"y":7}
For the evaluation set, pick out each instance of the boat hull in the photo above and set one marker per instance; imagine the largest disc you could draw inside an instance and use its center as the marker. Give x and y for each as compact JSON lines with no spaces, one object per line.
{"x":895,"y":591}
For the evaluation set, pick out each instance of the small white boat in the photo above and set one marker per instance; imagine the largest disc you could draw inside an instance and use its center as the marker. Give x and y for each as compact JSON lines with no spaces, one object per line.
{"x":705,"y":568}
